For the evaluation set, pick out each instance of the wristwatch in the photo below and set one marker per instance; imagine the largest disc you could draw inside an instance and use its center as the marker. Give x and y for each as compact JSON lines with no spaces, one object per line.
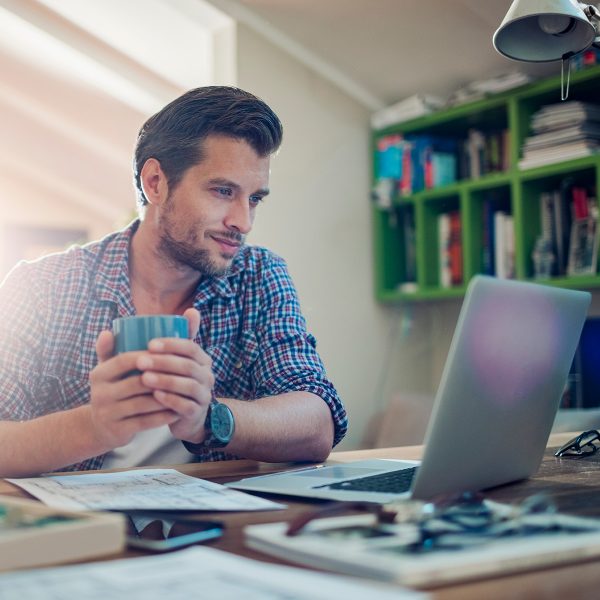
{"x":219,"y":425}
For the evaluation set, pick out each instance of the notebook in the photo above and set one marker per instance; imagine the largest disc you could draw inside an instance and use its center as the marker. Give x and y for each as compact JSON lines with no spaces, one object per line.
{"x":500,"y":389}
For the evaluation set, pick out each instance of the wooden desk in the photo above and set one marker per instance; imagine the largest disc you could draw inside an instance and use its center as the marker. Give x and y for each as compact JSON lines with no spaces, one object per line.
{"x":574,"y":485}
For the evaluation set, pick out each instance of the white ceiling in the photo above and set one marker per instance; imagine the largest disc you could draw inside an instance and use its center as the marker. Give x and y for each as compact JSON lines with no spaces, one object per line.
{"x":391,"y":49}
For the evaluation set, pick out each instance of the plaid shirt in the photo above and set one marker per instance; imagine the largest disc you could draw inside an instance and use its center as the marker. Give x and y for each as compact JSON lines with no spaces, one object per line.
{"x":54,"y":309}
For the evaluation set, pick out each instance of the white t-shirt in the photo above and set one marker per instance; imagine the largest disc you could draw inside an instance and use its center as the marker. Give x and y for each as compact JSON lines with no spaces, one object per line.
{"x":150,"y":447}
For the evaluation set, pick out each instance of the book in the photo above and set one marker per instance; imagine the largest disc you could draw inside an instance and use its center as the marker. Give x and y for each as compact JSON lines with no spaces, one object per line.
{"x":509,"y":246}
{"x":475,"y":150}
{"x":500,"y":244}
{"x":444,"y":270}
{"x":487,"y":238}
{"x":583,"y":250}
{"x":361,"y":546}
{"x":560,"y":153}
{"x":562,"y":222}
{"x":455,"y":249}
{"x":32,"y":534}
{"x":410,"y":248}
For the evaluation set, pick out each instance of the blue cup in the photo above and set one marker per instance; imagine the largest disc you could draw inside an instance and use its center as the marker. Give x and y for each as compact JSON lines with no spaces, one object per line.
{"x":134,"y":333}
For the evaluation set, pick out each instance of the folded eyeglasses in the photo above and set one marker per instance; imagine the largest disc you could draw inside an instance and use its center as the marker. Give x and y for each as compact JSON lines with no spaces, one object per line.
{"x":582,"y":445}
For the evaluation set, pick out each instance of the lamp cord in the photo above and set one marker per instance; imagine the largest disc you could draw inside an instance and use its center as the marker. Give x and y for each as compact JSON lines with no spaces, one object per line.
{"x":565,"y":64}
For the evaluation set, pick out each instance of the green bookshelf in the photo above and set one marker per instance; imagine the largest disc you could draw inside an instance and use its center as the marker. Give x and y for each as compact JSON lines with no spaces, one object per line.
{"x":515,"y":191}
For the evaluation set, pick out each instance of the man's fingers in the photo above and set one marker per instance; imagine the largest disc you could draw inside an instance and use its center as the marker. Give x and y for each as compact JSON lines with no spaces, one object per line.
{"x":184,"y":407}
{"x":180,"y":347}
{"x":137,"y":405}
{"x":105,"y":345}
{"x":149,"y":421}
{"x":175,"y":365}
{"x":121,"y":366}
{"x":193,"y":317}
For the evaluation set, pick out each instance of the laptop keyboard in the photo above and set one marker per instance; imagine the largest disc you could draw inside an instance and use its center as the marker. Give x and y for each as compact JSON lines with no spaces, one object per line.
{"x":395,"y":482}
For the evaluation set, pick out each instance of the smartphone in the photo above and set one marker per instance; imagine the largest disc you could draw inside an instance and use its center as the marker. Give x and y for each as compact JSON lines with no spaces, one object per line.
{"x":162,"y":532}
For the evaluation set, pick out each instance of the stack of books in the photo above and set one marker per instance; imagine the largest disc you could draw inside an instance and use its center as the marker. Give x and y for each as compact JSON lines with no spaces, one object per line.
{"x":561,"y":132}
{"x":409,"y":108}
{"x":485,"y":87}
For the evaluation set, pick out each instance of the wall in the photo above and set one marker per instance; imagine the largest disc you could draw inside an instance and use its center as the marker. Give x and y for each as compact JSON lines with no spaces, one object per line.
{"x":318,"y":219}
{"x":65,"y":153}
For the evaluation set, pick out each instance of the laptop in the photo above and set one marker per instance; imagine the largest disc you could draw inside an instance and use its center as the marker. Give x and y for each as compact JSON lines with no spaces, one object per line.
{"x":498,"y":395}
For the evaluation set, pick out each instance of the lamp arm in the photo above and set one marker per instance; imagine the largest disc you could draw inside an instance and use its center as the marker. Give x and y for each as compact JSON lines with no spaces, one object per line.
{"x":591,"y":12}
{"x":593,"y":15}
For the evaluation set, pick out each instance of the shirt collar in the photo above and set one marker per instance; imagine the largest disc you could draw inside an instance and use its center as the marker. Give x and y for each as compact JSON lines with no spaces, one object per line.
{"x":225,"y":285}
{"x":112,"y":277}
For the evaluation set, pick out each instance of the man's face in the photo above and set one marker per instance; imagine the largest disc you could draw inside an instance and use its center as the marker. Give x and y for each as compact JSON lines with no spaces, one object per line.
{"x":206,"y":218}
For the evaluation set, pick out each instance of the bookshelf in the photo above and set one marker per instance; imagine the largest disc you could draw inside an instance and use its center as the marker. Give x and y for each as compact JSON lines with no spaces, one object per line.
{"x":409,"y":225}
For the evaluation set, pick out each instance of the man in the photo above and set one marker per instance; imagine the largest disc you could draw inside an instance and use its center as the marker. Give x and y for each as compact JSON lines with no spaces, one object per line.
{"x":201,"y":170}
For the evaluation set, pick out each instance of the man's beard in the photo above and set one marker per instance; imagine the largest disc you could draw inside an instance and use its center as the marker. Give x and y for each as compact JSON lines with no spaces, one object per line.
{"x":185,"y":253}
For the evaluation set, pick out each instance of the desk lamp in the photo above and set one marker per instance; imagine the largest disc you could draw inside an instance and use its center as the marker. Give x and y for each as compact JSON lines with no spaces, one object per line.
{"x":548,"y":30}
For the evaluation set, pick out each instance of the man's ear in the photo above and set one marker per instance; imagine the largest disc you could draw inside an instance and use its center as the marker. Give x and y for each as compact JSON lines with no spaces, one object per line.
{"x":154,"y":182}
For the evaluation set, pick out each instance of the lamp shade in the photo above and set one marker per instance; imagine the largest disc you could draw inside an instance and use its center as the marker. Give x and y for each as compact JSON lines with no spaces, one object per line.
{"x":543,"y":30}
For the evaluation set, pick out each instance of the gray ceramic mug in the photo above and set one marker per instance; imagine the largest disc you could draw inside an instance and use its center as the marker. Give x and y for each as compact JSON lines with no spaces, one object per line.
{"x":134,"y":333}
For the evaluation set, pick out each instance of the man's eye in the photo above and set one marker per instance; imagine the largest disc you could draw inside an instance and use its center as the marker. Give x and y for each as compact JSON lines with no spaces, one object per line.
{"x":256,"y":200}
{"x":223,"y":191}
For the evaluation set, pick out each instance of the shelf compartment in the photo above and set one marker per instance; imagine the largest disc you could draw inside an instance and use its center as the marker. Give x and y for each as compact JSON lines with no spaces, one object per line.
{"x":429,"y":251}
{"x":483,"y":205}
{"x":550,"y":187}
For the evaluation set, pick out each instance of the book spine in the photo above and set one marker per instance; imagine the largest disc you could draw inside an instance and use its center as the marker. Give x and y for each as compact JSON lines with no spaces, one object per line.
{"x":509,"y":246}
{"x":406,"y":187}
{"x":445,"y":275}
{"x":455,"y":249}
{"x":487,"y":256}
{"x":410,"y":250}
{"x":500,"y":244}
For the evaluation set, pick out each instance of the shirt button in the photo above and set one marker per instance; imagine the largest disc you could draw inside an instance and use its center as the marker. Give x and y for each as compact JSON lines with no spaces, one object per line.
{"x":238,"y":364}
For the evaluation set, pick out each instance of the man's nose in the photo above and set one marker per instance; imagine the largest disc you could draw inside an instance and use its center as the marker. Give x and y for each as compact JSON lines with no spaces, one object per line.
{"x":240,"y":216}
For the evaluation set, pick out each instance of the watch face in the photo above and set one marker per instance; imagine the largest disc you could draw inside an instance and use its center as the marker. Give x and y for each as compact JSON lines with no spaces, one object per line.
{"x":221,"y":422}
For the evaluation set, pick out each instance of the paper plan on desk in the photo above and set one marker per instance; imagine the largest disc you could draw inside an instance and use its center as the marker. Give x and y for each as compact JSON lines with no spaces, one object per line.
{"x":150,"y":489}
{"x":193,"y":573}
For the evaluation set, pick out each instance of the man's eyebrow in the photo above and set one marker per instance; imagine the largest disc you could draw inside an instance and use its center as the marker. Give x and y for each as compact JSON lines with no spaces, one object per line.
{"x":224,"y":182}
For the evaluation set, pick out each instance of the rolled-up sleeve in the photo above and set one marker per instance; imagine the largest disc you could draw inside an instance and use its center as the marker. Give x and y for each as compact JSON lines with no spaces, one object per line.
{"x":288,"y":360}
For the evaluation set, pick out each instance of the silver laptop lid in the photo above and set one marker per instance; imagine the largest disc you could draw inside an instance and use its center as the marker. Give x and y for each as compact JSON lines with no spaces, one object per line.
{"x":501,"y":385}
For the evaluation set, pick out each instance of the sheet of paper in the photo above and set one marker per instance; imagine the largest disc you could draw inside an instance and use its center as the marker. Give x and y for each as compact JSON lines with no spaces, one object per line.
{"x":197,"y":572}
{"x":151,"y":489}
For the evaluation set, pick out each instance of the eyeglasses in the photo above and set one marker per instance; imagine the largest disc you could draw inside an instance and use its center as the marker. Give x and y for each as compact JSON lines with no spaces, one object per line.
{"x":582,"y":445}
{"x":452,"y":523}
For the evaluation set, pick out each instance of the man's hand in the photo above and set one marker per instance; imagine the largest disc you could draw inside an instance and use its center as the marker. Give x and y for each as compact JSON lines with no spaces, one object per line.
{"x":179,"y":373}
{"x":121,"y":405}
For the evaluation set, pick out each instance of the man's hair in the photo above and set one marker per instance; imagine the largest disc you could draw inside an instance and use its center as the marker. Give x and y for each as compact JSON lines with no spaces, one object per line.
{"x":174,"y":136}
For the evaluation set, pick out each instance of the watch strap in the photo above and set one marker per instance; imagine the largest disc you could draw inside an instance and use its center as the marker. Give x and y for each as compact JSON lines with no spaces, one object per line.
{"x":210,"y":441}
